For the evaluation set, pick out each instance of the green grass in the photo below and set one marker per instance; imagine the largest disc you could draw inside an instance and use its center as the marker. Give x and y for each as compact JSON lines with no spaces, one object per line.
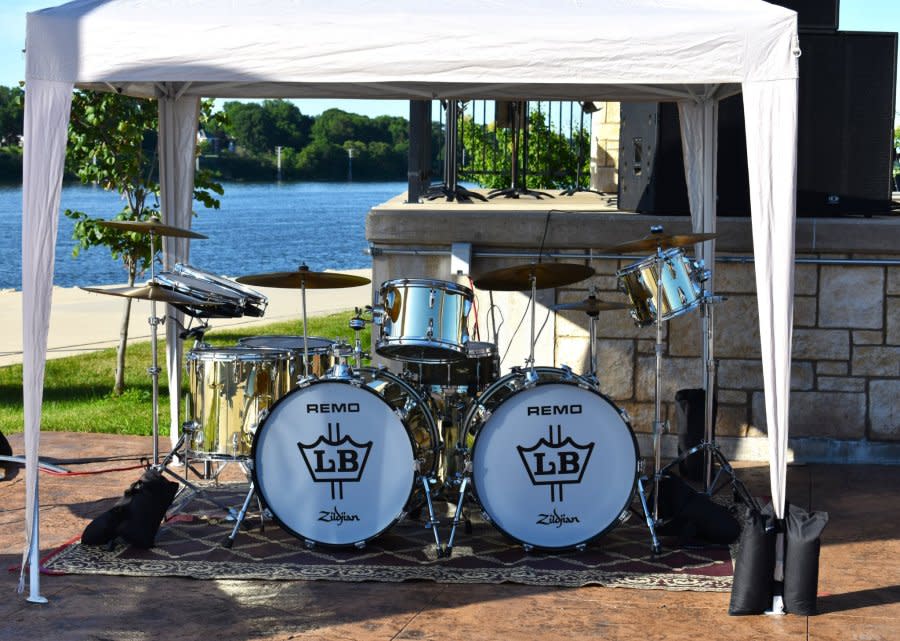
{"x":77,"y":389}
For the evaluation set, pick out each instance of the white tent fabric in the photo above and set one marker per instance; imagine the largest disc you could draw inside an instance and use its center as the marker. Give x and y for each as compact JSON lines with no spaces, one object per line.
{"x":689,"y":51}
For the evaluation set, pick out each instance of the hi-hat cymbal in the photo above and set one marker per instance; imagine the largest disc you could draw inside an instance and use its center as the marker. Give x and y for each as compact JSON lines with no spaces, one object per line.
{"x":152,"y":291}
{"x":547,"y":275}
{"x":663,"y":241}
{"x":303,"y":277}
{"x":590,"y":306}
{"x":153,"y":225}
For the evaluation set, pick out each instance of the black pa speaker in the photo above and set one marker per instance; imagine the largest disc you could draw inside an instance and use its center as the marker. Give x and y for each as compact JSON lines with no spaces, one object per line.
{"x":813,"y":15}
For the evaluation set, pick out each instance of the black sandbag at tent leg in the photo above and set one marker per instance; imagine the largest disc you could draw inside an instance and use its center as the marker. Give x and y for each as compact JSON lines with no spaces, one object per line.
{"x":801,"y":559}
{"x":754,"y":564}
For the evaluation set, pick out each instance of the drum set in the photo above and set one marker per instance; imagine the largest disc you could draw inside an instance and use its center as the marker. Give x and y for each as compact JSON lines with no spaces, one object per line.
{"x":337,"y":451}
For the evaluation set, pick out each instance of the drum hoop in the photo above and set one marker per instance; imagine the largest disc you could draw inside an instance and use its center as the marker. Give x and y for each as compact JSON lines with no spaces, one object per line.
{"x":261,"y":428}
{"x":231,"y":354}
{"x":649,"y":260}
{"x":484,"y":350}
{"x":473,"y":486}
{"x":228,"y":297}
{"x":427,"y":282}
{"x":225,"y":283}
{"x":312,"y":348}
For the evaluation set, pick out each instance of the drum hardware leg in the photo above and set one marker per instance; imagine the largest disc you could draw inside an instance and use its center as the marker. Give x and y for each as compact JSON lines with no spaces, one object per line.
{"x":228,"y":542}
{"x":448,"y":549}
{"x":432,"y":521}
{"x":656,"y":548}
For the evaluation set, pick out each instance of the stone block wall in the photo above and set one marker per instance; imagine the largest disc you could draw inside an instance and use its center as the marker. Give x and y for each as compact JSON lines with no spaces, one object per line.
{"x":845,"y":377}
{"x":605,"y":124}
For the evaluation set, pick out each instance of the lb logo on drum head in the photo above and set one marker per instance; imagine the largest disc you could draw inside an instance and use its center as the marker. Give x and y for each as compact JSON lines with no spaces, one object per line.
{"x":336,"y":460}
{"x":556,"y":463}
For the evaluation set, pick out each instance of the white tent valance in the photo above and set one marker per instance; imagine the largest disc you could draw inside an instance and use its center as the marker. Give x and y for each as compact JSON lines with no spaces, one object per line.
{"x":691,"y":51}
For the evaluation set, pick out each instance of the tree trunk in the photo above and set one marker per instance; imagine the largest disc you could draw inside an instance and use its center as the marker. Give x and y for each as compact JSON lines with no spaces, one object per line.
{"x":119,"y":385}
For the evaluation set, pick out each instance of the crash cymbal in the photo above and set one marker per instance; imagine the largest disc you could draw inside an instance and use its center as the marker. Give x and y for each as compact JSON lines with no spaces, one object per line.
{"x":663,"y":241}
{"x":150,"y":225}
{"x":151,"y":291}
{"x":590,"y":306}
{"x":547,"y":275}
{"x":304,"y":277}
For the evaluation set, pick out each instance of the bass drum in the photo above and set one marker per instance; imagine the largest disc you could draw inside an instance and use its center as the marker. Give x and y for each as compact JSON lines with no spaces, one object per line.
{"x":337,"y":460}
{"x":554,"y":462}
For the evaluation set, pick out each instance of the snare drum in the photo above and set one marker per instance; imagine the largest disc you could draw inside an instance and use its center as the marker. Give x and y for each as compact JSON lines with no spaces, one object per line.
{"x":554,"y":463}
{"x":229,"y":299}
{"x":229,"y":389}
{"x":423,"y":320}
{"x":680,"y":286}
{"x":339,"y":460}
{"x":320,"y":352}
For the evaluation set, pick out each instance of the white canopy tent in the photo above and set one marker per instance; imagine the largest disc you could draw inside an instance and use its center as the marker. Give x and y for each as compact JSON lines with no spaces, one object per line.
{"x":694,"y":52}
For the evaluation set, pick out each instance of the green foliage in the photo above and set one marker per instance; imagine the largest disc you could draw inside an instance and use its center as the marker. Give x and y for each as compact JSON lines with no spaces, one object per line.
{"x":551,"y":160}
{"x":260,"y":127}
{"x":112,"y":143}
{"x":11,"y":115}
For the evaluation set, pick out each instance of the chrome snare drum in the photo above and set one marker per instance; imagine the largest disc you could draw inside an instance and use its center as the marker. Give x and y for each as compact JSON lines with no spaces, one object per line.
{"x":339,"y":460}
{"x":320,"y":352}
{"x":229,"y":299}
{"x":423,"y":320}
{"x":553,"y":462}
{"x":679,"y":277}
{"x":229,"y":389}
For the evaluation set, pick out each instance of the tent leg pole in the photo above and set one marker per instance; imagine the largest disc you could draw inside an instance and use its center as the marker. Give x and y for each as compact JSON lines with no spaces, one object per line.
{"x":34,"y":560}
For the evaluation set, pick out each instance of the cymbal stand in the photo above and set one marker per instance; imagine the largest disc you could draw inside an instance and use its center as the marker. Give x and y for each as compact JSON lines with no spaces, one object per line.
{"x":593,"y":317}
{"x":304,"y":268}
{"x":357,"y":324}
{"x":154,"y":369}
{"x":712,"y":455}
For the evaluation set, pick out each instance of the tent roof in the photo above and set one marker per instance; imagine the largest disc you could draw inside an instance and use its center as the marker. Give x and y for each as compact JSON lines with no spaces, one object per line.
{"x":569,"y":49}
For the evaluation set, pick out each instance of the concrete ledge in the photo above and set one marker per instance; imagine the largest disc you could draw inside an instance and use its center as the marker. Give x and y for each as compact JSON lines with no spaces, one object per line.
{"x":587,"y":223}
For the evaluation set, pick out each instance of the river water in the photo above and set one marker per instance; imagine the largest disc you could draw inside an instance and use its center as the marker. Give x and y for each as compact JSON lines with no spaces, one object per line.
{"x":260,"y":227}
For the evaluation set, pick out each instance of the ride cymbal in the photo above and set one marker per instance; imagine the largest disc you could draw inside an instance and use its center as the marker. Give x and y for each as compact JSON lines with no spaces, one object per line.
{"x":303,"y":277}
{"x":151,"y":291}
{"x":547,"y":275}
{"x":152,"y":225}
{"x":590,"y":306}
{"x":662,"y":241}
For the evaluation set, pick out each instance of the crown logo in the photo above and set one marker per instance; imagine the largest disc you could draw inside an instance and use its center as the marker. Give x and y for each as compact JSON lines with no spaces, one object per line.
{"x":335,"y":459}
{"x":556,"y":464}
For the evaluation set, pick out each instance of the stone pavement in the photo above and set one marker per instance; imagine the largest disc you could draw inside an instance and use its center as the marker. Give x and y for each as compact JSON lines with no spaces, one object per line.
{"x":858,"y":585}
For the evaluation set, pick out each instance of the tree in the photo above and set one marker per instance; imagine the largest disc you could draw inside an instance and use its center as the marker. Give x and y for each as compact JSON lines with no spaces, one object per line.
{"x":551,"y":162}
{"x":11,"y":115}
{"x":112,"y":143}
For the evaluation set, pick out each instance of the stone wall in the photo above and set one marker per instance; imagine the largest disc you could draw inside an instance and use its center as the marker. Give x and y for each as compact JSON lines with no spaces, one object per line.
{"x":845,"y":400}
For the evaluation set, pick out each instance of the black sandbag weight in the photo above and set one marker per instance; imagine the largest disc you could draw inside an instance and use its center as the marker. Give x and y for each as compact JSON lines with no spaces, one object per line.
{"x":801,"y":560}
{"x":754,"y":564}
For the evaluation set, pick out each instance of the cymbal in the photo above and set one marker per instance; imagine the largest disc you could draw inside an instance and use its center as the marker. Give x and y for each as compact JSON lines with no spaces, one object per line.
{"x":591,"y":306}
{"x":153,"y":225}
{"x":663,"y":241}
{"x":547,"y":275}
{"x":303,"y":277}
{"x":152,"y":291}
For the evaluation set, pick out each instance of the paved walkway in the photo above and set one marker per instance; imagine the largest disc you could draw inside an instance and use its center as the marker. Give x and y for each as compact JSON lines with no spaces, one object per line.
{"x":83,"y":321}
{"x":859,"y":595}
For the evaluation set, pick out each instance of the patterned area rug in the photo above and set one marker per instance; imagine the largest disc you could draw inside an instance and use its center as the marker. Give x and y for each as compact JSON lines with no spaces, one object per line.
{"x":190,"y":545}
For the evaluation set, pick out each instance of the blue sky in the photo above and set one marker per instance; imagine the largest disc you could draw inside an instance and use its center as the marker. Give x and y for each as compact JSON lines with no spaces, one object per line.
{"x":856,"y":15}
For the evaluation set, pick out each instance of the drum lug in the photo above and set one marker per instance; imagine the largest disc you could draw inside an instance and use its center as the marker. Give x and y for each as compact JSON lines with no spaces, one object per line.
{"x":429,"y":333}
{"x":567,"y":372}
{"x":431,"y":299}
{"x":309,"y":544}
{"x":487,"y":518}
{"x":581,"y":547}
{"x":625,"y":516}
{"x":527,"y":547}
{"x":359,"y":545}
